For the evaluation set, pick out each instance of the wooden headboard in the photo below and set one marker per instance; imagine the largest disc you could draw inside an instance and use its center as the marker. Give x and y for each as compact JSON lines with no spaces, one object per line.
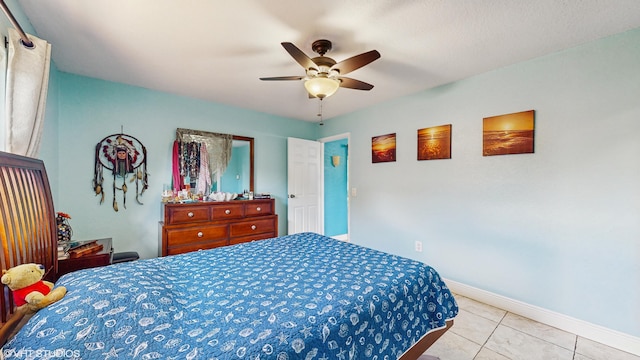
{"x":28,"y":230}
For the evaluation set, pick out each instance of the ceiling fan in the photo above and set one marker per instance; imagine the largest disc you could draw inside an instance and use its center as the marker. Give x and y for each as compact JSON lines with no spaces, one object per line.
{"x":323,"y":74}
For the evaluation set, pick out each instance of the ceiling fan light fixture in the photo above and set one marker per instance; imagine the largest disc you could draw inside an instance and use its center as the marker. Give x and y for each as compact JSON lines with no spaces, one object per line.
{"x":322,"y":86}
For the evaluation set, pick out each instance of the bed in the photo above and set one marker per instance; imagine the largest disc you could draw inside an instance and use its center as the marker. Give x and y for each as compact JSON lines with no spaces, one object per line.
{"x":301,"y":296}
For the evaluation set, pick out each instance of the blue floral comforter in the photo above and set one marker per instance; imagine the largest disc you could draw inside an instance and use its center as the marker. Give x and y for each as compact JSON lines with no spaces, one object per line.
{"x":302,"y":296}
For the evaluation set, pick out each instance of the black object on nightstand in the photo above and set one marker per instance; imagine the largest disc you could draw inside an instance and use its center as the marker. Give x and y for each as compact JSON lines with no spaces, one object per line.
{"x":124,"y":257}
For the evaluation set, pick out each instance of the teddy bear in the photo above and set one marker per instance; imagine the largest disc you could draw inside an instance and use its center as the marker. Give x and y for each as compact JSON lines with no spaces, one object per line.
{"x":30,"y":292}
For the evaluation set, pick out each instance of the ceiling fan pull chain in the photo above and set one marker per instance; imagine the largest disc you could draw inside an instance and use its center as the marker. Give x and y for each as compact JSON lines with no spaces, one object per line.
{"x":320,"y":113}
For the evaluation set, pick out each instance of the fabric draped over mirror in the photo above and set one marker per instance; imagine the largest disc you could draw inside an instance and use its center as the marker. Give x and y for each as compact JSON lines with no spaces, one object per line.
{"x":201,"y":156}
{"x":26,"y":87}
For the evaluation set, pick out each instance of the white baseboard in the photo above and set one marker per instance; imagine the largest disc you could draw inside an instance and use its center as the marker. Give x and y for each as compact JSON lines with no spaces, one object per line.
{"x":343,"y":237}
{"x":597,"y":333}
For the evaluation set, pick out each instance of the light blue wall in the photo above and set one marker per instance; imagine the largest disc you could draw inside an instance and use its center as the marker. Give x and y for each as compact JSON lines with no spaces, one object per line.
{"x":560,"y":228}
{"x":335,"y":189}
{"x":92,"y":109}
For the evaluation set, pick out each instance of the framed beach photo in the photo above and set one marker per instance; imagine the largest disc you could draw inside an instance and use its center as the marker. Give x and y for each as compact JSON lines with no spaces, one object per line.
{"x":434,"y":143}
{"x":383,"y":148}
{"x":508,"y":134}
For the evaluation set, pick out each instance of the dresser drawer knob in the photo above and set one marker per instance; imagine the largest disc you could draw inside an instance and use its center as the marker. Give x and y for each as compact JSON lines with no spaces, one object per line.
{"x":190,"y":214}
{"x":253,"y":227}
{"x":227,"y":211}
{"x":200,"y":234}
{"x":259,"y":208}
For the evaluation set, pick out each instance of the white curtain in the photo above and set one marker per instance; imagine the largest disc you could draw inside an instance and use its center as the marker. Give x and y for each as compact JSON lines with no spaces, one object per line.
{"x":26,"y":87}
{"x":3,"y":83}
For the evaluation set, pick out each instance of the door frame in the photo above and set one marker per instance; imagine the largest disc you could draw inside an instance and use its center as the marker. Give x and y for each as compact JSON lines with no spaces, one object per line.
{"x":347,"y":136}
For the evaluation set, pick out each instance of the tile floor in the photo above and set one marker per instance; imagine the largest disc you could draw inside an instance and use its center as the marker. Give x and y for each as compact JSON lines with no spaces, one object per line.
{"x":483,"y":332}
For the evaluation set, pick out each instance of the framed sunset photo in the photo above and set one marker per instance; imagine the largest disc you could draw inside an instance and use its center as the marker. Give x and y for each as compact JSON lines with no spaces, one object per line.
{"x":508,"y":134}
{"x":434,"y":143}
{"x":383,"y":148}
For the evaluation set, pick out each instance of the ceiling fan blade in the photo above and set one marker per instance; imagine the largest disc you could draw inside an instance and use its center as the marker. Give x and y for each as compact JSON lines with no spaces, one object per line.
{"x":282,"y":78}
{"x":299,"y":56}
{"x":356,"y":62}
{"x":350,"y":83}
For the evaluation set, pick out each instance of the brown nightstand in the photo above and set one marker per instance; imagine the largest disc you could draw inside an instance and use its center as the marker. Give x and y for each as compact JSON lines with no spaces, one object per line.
{"x":101,"y":258}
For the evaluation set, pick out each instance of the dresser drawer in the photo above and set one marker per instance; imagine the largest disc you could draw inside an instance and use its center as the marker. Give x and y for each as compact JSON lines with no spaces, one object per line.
{"x":248,"y":238}
{"x":227,"y":211}
{"x":196,"y":234}
{"x":186,"y":214}
{"x":257,"y":207}
{"x":254,"y":226}
{"x":195,"y":247}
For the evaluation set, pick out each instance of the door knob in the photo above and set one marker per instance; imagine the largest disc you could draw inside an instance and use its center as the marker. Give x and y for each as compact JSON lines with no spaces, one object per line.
{"x":291,"y":196}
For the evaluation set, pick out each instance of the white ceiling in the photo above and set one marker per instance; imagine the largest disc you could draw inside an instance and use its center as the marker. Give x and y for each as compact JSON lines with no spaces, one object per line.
{"x":216,"y":50}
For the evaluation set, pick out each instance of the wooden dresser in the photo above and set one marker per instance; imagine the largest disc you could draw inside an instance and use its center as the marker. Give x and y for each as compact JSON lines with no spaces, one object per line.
{"x":206,"y":225}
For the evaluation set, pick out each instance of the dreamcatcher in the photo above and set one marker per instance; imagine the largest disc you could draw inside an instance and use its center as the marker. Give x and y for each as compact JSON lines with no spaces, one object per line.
{"x":126,"y":157}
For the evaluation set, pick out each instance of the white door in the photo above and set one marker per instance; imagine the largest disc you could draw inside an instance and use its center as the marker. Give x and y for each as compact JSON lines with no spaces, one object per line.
{"x":304,"y":186}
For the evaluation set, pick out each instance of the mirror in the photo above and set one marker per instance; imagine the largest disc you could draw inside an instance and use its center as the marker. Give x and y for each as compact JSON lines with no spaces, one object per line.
{"x":238,"y":173}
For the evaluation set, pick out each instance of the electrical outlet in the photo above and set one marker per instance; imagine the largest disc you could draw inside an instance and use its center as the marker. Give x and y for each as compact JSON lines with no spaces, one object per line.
{"x":418,"y":246}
